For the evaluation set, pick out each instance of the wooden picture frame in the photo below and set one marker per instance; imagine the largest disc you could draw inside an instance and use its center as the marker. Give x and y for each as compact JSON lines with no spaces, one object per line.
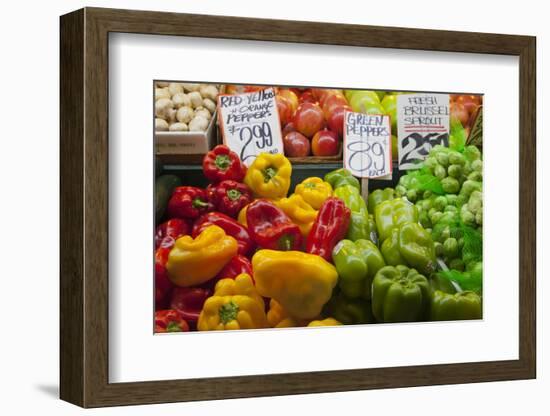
{"x":84,"y":207}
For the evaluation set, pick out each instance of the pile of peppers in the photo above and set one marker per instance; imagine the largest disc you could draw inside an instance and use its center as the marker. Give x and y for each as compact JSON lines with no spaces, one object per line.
{"x":243,"y":253}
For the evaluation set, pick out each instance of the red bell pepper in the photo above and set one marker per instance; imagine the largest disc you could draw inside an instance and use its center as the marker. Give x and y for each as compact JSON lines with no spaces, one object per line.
{"x":330,"y":226}
{"x":163,"y":285}
{"x":168,"y":232}
{"x":236,"y":266}
{"x":221,"y":164}
{"x":229,"y":225}
{"x":188,"y":202}
{"x":170,"y":320}
{"x":188,"y":301}
{"x":271,"y":228}
{"x":229,"y":197}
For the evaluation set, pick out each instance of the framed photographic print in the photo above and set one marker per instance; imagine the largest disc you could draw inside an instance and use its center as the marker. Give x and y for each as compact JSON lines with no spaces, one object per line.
{"x":335,"y":207}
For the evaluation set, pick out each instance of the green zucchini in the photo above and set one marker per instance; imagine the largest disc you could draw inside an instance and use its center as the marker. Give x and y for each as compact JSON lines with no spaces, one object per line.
{"x":164,"y":186}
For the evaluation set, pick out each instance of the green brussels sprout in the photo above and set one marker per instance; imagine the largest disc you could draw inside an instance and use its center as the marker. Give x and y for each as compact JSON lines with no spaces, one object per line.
{"x":440,"y":172}
{"x":445,"y":233}
{"x":427,"y":194}
{"x":472,"y":152}
{"x":450,"y":208}
{"x":457,"y":264}
{"x":460,"y":243}
{"x":411,"y":195}
{"x":435,"y":217}
{"x":475,"y":176}
{"x":455,"y":171}
{"x":475,"y":202}
{"x":477,"y":166}
{"x":440,"y":203}
{"x":470,"y":186}
{"x":424,"y":219}
{"x":461,"y":200}
{"x":451,"y":199}
{"x":448,"y":217}
{"x":456,"y":158}
{"x":400,"y":190}
{"x":427,"y":204}
{"x":430,"y":162}
{"x":450,"y":185}
{"x":450,"y":248}
{"x":467,"y":216}
{"x":442,"y":159}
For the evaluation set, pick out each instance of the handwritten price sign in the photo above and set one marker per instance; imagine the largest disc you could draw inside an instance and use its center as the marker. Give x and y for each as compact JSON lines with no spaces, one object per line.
{"x":367,"y":145}
{"x":250,"y":124}
{"x":422,"y":123}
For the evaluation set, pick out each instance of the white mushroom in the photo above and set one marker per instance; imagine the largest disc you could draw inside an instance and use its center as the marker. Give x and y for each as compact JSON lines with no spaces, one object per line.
{"x":161,"y":84}
{"x":209,"y":91}
{"x":161,"y":124}
{"x":209,"y":105}
{"x":203,"y":112}
{"x":179,"y":127}
{"x":196,"y":99}
{"x":185,"y":114}
{"x":172,"y":115}
{"x":181,"y":100}
{"x":175,"y":88}
{"x":162,"y":93}
{"x":191,"y":87}
{"x":198,"y":124}
{"x":162,"y":108}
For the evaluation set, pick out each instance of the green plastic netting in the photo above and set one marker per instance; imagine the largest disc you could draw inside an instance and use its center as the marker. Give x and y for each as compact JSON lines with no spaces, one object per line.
{"x":422,"y":180}
{"x":457,"y":137}
{"x":472,"y":250}
{"x":469,"y":280}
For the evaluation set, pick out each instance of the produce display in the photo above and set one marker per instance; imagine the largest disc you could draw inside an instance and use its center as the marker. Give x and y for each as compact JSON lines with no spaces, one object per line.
{"x":265,"y":245}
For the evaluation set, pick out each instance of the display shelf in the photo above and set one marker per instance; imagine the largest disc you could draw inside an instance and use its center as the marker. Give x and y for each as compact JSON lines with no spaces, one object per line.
{"x":191,"y":174}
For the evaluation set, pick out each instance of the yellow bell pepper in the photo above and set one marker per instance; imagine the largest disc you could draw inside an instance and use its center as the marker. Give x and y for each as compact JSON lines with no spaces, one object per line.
{"x":302,"y":283}
{"x":192,"y":262}
{"x":299,"y":211}
{"x":241,"y":218}
{"x":314,"y":190}
{"x":236,"y":304}
{"x":240,"y":285}
{"x":231,"y":312}
{"x":325,"y":322}
{"x":269,"y":176}
{"x":277,"y":317}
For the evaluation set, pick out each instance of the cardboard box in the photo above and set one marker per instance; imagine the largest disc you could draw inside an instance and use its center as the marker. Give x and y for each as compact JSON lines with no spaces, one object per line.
{"x":187,"y":146}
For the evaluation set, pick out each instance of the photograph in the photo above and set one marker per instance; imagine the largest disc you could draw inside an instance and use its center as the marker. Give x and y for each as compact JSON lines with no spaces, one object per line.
{"x":302,"y":206}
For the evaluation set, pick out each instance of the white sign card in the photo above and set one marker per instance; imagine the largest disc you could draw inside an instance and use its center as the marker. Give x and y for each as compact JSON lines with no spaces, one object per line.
{"x":367,"y":144}
{"x":422,"y":123}
{"x":250,"y":124}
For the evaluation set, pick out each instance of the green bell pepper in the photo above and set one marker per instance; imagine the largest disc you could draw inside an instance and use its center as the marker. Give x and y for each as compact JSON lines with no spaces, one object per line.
{"x":348,"y":311}
{"x":400,"y":294}
{"x":410,"y":245}
{"x":359,"y":221}
{"x":357,"y":264}
{"x":390,"y":249}
{"x":378,"y":196}
{"x":391,"y":214}
{"x":341,"y":177}
{"x":417,"y":247}
{"x":455,"y":307}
